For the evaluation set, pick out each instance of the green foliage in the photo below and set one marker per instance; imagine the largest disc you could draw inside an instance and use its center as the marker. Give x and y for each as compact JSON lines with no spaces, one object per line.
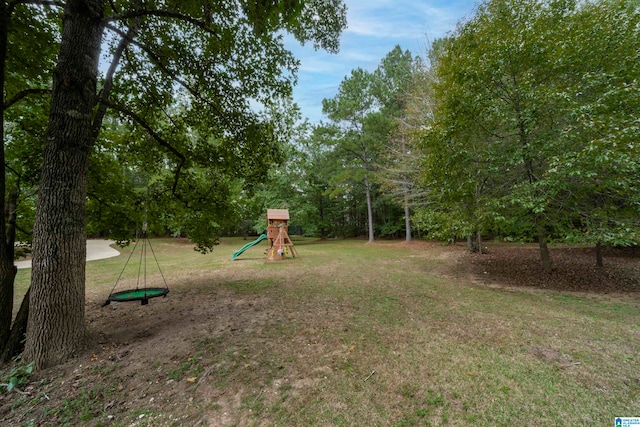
{"x":536,"y":122}
{"x":594,"y":177}
{"x":178,"y":119}
{"x":30,"y":59}
{"x":334,"y":172}
{"x":392,"y":79}
{"x":18,"y":376}
{"x":360,"y":130}
{"x":403,"y":86}
{"x":175,"y":103}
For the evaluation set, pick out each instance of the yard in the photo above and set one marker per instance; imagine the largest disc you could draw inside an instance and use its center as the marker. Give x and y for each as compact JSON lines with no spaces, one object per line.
{"x":352,"y":334}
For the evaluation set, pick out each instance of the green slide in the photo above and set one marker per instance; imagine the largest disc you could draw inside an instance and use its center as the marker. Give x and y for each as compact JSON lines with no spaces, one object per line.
{"x":247,"y":246}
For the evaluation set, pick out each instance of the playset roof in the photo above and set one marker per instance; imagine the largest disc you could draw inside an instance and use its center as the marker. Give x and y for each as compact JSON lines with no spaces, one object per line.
{"x":278,"y":214}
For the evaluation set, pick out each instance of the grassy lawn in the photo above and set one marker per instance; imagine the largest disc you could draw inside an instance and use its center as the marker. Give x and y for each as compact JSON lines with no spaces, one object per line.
{"x":348,"y":334}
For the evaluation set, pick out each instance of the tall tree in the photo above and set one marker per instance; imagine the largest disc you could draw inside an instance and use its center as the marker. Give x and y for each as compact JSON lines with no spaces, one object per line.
{"x":238,"y":57}
{"x":593,"y":175}
{"x":495,"y":80}
{"x":7,"y":269}
{"x":532,"y":100}
{"x":352,"y":110}
{"x":56,"y":319}
{"x":392,"y":80}
{"x":320,"y":163}
{"x":25,"y":80}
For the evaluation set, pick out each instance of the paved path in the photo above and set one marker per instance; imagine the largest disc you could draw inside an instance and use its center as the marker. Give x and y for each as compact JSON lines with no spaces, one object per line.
{"x":96,"y":249}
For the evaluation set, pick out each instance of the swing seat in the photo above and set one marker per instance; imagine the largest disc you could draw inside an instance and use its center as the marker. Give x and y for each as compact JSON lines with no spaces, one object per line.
{"x":143,"y":295}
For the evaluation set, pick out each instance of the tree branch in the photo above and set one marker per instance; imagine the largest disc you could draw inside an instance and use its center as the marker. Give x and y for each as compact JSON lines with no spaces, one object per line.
{"x":161,"y":141}
{"x":113,"y":6}
{"x":111,"y":206}
{"x":108,"y":80}
{"x":203,"y":25}
{"x":159,"y":63}
{"x":23,"y":94}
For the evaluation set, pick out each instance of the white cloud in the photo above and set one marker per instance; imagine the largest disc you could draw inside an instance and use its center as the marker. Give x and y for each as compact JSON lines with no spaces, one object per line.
{"x":401,"y":19}
{"x":374,"y":28}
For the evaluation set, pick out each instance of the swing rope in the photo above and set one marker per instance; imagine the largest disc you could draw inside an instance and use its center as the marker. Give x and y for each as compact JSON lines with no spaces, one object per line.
{"x":123,"y":268}
{"x":157,"y":264}
{"x":143,"y":295}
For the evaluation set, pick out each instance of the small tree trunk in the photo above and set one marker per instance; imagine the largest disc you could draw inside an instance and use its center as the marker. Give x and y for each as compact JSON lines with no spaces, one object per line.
{"x":7,"y":275}
{"x":323,"y":230}
{"x":545,"y":256}
{"x":7,"y":271}
{"x":407,"y":213}
{"x":15,"y":345}
{"x":474,"y":242}
{"x":599,"y":260}
{"x":369,"y":207}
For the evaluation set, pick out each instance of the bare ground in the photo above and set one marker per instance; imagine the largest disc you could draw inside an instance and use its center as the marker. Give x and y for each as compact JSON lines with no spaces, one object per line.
{"x":574,"y":269}
{"x":146,"y":367}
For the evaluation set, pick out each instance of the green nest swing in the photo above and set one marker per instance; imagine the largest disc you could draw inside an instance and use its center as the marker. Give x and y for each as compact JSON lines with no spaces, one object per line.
{"x":141,"y":292}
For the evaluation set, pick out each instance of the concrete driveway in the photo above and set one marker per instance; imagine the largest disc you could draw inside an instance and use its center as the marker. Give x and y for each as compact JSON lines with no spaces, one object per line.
{"x":96,"y":249}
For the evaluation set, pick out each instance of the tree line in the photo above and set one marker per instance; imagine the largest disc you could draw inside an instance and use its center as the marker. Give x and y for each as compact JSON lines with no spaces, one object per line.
{"x":521,"y":124}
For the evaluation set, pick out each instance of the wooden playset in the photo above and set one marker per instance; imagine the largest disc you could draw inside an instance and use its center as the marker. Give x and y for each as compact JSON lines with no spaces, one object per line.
{"x":280,"y":245}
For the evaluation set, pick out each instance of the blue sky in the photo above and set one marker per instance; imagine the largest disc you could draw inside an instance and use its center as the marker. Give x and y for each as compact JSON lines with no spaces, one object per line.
{"x":374,"y":28}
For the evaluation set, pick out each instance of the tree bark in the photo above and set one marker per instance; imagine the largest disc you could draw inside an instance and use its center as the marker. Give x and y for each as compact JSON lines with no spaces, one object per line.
{"x":474,"y":242}
{"x":367,"y":188}
{"x":7,"y":275}
{"x":407,"y":213}
{"x":15,"y":344}
{"x":369,"y":207}
{"x":545,"y":256}
{"x":56,"y":328}
{"x":7,"y":270}
{"x":323,"y":230}
{"x":599,"y":259}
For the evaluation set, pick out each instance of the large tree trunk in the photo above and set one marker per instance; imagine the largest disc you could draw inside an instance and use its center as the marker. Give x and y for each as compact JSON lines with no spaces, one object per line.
{"x":56,"y":327}
{"x":8,"y":214}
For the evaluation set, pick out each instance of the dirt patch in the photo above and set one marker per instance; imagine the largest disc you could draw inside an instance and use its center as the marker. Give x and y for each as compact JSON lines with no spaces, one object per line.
{"x":574,"y":269}
{"x":550,"y":355}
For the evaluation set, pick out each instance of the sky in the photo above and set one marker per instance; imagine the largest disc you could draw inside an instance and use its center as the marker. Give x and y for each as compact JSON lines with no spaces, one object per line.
{"x":374,"y":28}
